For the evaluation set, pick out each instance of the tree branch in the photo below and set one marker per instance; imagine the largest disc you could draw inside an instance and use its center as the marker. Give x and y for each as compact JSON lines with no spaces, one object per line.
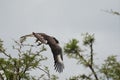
{"x":45,"y":72}
{"x":91,"y":53}
{"x":91,"y":59}
{"x":3,"y":51}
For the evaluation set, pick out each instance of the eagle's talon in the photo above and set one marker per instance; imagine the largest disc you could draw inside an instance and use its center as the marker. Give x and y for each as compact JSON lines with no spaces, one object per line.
{"x":39,"y":44}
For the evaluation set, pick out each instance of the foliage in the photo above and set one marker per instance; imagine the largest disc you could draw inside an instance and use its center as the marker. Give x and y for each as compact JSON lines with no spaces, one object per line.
{"x":80,"y":77}
{"x":110,"y":70}
{"x":88,"y":39}
{"x":75,"y":52}
{"x":1,"y":46}
{"x":72,"y":47}
{"x":27,"y":59}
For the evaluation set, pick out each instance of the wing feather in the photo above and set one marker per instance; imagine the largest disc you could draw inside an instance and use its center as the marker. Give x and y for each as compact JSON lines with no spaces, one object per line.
{"x":59,"y":66}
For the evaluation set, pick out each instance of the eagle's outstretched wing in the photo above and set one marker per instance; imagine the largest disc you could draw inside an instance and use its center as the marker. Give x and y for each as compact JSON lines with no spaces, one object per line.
{"x":23,"y":38}
{"x":36,"y":35}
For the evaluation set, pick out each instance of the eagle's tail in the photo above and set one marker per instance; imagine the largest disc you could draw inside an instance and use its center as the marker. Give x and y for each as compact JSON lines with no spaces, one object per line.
{"x":59,"y":66}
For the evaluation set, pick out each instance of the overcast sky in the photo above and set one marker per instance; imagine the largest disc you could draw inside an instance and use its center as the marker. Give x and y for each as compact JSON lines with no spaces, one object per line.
{"x":64,"y":19}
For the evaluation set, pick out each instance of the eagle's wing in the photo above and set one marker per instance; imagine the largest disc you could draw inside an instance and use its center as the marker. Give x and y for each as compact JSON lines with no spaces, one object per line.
{"x":36,"y":35}
{"x":23,"y":38}
{"x":56,"y":40}
{"x":58,"y":58}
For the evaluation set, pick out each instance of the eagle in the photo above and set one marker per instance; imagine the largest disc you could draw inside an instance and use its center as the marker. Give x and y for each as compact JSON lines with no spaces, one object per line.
{"x":53,"y":44}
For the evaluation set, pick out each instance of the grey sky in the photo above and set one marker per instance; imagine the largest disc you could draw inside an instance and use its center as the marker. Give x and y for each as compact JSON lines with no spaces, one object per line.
{"x":64,"y":19}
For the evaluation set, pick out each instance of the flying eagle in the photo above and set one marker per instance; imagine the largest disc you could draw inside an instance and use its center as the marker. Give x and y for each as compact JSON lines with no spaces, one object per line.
{"x":53,"y":44}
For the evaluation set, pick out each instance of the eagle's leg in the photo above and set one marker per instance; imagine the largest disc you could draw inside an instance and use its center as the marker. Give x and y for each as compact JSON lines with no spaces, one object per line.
{"x":36,"y":40}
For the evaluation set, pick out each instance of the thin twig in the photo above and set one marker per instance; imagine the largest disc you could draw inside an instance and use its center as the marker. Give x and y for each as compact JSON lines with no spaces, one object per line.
{"x":3,"y":51}
{"x":45,"y":72}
